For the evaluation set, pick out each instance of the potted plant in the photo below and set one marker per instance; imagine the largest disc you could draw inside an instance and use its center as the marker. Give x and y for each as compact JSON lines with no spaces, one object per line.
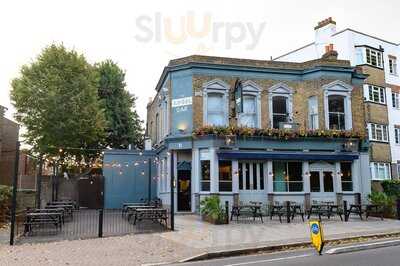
{"x":211,"y":210}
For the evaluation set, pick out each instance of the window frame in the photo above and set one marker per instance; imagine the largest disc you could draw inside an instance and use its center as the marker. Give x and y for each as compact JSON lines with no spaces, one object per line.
{"x":225,"y":181}
{"x":396,"y":100}
{"x":313,"y":114}
{"x":397,"y":136}
{"x":246,"y":181}
{"x":392,"y":61}
{"x":374,"y":130}
{"x":288,"y":181}
{"x":369,"y":94}
{"x":250,"y":88}
{"x":280,"y":89}
{"x":376,"y":166}
{"x":218,"y":87}
{"x":378,"y":57}
{"x":339,"y":88}
{"x":342,"y":177}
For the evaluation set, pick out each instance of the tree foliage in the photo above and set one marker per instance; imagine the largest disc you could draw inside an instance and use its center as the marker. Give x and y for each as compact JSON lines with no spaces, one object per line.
{"x":56,"y":100}
{"x":123,"y":124}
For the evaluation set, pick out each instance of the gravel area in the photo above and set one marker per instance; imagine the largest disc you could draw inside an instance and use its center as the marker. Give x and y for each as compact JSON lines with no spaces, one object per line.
{"x":126,"y":250}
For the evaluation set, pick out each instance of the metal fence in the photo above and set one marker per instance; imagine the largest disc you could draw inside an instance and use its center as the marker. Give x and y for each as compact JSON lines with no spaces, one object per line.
{"x":84,"y":224}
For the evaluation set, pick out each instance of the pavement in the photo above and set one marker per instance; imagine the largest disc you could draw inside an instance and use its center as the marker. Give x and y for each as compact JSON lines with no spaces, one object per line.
{"x":387,"y":256}
{"x":191,"y":238}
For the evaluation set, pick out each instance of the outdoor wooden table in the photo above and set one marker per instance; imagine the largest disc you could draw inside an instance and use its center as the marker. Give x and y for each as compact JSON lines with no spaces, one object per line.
{"x":41,"y":218}
{"x":130,"y":210}
{"x":126,"y":204}
{"x":281,"y":210}
{"x":64,"y":202}
{"x":154,"y":214}
{"x":373,"y":208}
{"x":320,"y":210}
{"x":255,"y":210}
{"x":55,"y":210}
{"x":355,"y":209}
{"x":296,"y":209}
{"x":68,"y":208}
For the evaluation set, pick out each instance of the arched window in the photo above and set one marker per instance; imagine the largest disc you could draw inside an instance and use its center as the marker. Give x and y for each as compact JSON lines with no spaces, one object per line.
{"x":251,"y":115}
{"x":215,"y":103}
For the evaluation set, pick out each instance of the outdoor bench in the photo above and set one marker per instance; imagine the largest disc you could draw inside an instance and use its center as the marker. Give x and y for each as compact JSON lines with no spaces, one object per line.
{"x":35,"y":218}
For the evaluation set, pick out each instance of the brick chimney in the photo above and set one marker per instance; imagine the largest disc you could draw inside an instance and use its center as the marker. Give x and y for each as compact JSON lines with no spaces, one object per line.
{"x":324,"y":23}
{"x":330,"y":53}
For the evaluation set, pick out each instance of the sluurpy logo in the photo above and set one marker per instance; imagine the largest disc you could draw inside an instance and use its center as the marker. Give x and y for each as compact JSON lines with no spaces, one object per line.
{"x":315,"y":229}
{"x":203,"y":30}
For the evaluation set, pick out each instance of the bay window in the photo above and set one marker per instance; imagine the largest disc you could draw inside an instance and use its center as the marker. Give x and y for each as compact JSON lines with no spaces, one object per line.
{"x":287,"y":176}
{"x":373,"y":57}
{"x":374,"y":94}
{"x":380,"y":171}
{"x":377,"y":132}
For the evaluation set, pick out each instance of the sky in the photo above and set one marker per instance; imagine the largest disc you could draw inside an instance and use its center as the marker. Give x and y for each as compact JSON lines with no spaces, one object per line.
{"x":142,"y":36}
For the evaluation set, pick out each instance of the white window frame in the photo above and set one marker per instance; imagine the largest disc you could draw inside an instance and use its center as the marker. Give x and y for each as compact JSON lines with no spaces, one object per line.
{"x":342,"y":89}
{"x":369,"y":92}
{"x":280,"y":89}
{"x":397,"y":136}
{"x":250,"y":88}
{"x":376,"y":166}
{"x":392,"y":65}
{"x":374,"y":53}
{"x":216,"y":86}
{"x":396,"y":100}
{"x":313,"y":116}
{"x":376,"y":130}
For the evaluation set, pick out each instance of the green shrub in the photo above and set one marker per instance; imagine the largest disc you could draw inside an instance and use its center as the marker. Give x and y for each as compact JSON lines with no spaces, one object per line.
{"x":5,"y":197}
{"x":391,"y":188}
{"x":211,"y":206}
{"x":383,"y":200}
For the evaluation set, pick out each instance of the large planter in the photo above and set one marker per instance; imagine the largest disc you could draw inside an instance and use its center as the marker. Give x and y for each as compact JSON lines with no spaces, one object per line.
{"x":211,"y":220}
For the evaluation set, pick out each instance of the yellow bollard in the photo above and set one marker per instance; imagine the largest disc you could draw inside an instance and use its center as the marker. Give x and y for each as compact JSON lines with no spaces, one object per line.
{"x":317,"y":236}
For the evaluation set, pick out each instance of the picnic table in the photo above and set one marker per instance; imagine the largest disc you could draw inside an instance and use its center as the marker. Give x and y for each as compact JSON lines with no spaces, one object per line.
{"x":42,"y":218}
{"x":325,"y":209}
{"x":55,"y":210}
{"x":67,"y":208}
{"x":126,"y":204}
{"x":130,"y":210}
{"x":64,"y":202}
{"x":153,"y":214}
{"x":253,"y":210}
{"x":359,"y":209}
{"x":280,"y":209}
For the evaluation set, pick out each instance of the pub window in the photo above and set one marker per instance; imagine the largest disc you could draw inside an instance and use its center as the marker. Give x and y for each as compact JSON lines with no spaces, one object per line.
{"x":287,"y":176}
{"x":313,"y":113}
{"x":251,"y":176}
{"x":280,"y":112}
{"x":249,"y":116}
{"x":215,"y":109}
{"x":240,"y":174}
{"x":205,"y":175}
{"x":347,"y":181}
{"x":336,"y":111}
{"x":225,"y":176}
{"x":315,"y":185}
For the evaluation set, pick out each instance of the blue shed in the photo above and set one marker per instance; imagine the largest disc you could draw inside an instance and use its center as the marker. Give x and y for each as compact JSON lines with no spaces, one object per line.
{"x":127,"y":176}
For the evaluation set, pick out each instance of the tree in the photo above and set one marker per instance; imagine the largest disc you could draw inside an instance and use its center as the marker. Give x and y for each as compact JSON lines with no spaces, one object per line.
{"x":123,"y":124}
{"x":56,"y":100}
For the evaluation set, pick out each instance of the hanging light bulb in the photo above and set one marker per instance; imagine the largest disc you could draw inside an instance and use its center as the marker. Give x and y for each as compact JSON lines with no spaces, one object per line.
{"x":142,"y":173}
{"x":120,"y":172}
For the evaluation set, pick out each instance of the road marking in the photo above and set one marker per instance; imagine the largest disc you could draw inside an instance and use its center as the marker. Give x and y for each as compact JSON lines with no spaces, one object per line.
{"x":365,"y":246}
{"x":270,"y":260}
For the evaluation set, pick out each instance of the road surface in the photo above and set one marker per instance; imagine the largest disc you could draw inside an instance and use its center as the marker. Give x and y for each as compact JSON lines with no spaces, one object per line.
{"x":388,"y":256}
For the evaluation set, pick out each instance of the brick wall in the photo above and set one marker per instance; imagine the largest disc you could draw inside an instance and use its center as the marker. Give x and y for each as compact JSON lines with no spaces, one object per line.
{"x":302,"y":91}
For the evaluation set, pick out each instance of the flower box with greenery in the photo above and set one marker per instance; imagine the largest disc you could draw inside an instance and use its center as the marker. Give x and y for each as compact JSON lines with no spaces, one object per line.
{"x":212,"y":211}
{"x":275,"y":133}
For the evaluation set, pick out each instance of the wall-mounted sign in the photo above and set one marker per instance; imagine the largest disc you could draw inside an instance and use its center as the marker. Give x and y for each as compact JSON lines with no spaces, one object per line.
{"x":181,"y":102}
